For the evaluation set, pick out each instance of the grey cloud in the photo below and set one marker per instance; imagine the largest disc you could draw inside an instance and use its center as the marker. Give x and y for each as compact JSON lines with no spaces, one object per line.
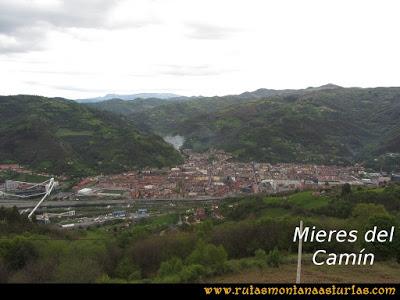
{"x":23,"y":24}
{"x":70,"y":13}
{"x":22,"y":40}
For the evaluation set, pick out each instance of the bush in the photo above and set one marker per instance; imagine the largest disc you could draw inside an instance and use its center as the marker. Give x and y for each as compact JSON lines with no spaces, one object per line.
{"x":346,"y":189}
{"x":274,"y":258}
{"x":382,"y":250}
{"x":83,"y":270}
{"x":209,"y":255}
{"x":233,"y":266}
{"x":149,"y":253}
{"x":170,"y":267}
{"x":106,"y":279}
{"x":17,"y":253}
{"x":261,"y":257}
{"x":127,"y":269}
{"x":192,"y":273}
{"x":363,"y":211}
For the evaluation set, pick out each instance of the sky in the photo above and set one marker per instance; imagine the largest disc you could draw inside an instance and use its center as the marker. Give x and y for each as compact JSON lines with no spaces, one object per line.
{"x":81,"y":49}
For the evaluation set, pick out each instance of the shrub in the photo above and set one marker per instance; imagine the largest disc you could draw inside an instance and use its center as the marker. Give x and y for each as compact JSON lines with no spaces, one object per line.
{"x":274,"y":258}
{"x":17,"y":253}
{"x":127,"y":269}
{"x":192,"y":273}
{"x":209,"y":255}
{"x":170,"y":267}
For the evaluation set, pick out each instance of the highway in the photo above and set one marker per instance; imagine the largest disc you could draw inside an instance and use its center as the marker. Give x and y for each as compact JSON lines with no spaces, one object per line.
{"x":22,"y":204}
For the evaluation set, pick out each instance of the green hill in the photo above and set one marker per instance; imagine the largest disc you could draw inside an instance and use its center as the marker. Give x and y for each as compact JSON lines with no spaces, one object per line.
{"x":329,"y":124}
{"x":61,"y":136}
{"x":126,"y":107}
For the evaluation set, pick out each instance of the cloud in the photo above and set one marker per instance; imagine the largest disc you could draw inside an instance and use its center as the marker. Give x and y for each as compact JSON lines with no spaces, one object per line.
{"x":24,"y":24}
{"x":17,"y":14}
{"x":66,"y":87}
{"x":22,"y":40}
{"x":209,"y":31}
{"x":27,"y":25}
{"x":191,"y":70}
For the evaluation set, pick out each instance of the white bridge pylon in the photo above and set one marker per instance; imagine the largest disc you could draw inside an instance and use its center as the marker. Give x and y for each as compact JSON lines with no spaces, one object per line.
{"x":49,"y":188}
{"x":31,"y":187}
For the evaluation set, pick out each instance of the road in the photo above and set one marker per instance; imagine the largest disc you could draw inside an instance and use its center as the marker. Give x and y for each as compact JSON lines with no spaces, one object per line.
{"x":92,"y":202}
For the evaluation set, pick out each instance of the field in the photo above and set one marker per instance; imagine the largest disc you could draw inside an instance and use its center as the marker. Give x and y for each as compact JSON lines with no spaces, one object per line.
{"x":381,"y":272}
{"x":302,"y":199}
{"x":8,"y":175}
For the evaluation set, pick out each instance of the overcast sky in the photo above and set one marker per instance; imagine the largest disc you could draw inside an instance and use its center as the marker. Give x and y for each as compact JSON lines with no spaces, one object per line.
{"x":78,"y":49}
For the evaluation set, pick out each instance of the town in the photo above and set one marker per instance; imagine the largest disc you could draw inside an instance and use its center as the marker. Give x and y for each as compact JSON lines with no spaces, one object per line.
{"x":201,"y":182}
{"x":214,"y":174}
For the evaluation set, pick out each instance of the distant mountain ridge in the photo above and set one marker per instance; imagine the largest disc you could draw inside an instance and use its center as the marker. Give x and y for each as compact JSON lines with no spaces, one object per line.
{"x":129,"y":97}
{"x":260,"y":93}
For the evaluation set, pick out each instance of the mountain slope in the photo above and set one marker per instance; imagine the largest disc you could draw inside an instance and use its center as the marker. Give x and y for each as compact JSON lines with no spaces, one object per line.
{"x":329,"y":124}
{"x":61,"y":136}
{"x":125,"y":107}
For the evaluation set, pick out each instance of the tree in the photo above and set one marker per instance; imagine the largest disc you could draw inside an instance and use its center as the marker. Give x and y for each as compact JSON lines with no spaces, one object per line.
{"x":127,"y":269}
{"x":382,"y":250}
{"x":261,"y":258}
{"x":17,"y":253}
{"x":82,"y":270}
{"x":171,"y":267}
{"x":192,"y":273}
{"x":346,"y":189}
{"x":274,"y":258}
{"x":3,"y":272}
{"x":260,"y":254}
{"x":204,"y":229}
{"x":34,"y":219}
{"x":209,"y":255}
{"x":364,"y":211}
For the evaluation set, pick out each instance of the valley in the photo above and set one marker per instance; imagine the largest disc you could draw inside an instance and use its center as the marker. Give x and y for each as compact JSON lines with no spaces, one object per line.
{"x":323,"y":125}
{"x":159,"y":190}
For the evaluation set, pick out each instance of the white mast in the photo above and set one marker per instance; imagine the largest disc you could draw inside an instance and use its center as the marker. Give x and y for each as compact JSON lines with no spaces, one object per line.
{"x":49,"y":188}
{"x":298,"y":275}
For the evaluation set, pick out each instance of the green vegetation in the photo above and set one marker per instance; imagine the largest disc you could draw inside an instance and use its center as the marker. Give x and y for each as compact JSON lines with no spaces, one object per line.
{"x":60,"y":136}
{"x":10,"y":175}
{"x":330,"y":124}
{"x":308,"y":201}
{"x":124,"y":107}
{"x":249,"y":240}
{"x":383,"y":272}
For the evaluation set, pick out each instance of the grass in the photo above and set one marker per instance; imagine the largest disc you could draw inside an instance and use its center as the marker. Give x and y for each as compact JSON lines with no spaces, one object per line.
{"x":305,"y":200}
{"x":22,"y":177}
{"x":64,"y":132}
{"x":276,"y":212}
{"x":162,"y":220}
{"x":380,"y":272}
{"x":273,"y":200}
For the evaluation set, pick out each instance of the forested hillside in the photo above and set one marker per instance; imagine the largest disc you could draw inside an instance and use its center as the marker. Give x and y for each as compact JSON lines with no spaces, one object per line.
{"x":60,"y":136}
{"x":328,"y":124}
